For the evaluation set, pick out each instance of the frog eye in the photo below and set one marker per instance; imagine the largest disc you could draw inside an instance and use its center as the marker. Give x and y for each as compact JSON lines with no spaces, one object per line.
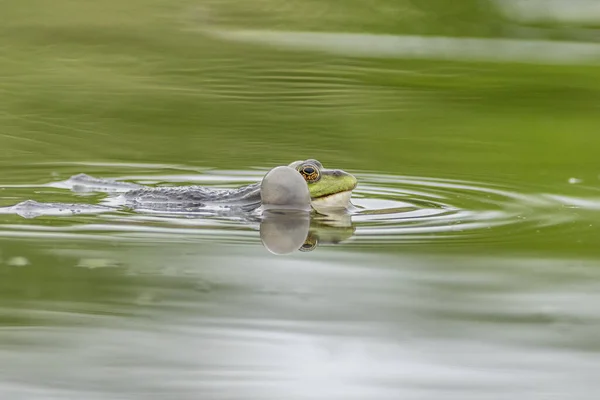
{"x":309,"y":172}
{"x":309,"y":244}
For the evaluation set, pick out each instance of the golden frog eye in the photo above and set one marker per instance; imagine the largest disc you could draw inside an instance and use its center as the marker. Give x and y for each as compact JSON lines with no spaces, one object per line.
{"x":309,"y":244}
{"x":309,"y":172}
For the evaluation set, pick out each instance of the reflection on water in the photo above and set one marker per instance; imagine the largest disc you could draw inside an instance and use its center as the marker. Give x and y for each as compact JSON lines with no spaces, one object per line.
{"x":386,"y":209}
{"x":161,"y":305}
{"x":467,"y":268}
{"x":140,"y":305}
{"x":172,"y":320}
{"x":421,"y":47}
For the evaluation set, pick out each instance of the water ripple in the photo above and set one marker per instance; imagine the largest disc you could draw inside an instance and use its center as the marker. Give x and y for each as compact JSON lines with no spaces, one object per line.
{"x":388,"y":209}
{"x":407,"y":208}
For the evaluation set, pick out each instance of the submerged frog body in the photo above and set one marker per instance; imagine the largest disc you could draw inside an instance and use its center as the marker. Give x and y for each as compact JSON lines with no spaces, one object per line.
{"x":192,"y":197}
{"x":301,"y":184}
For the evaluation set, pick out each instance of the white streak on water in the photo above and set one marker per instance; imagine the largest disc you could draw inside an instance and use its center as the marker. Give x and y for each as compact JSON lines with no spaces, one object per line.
{"x":343,"y":326}
{"x":571,"y":11}
{"x":421,"y":47}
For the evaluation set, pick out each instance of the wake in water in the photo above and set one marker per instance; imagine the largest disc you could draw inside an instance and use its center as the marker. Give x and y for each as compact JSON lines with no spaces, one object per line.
{"x":386,"y":209}
{"x":125,"y":195}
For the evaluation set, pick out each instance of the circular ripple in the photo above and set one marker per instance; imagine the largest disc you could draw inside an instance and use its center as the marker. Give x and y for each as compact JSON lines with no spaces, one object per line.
{"x":388,"y":209}
{"x":402,"y":208}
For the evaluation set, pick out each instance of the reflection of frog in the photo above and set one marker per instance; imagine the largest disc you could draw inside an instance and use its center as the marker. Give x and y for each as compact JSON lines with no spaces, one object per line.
{"x":286,"y":232}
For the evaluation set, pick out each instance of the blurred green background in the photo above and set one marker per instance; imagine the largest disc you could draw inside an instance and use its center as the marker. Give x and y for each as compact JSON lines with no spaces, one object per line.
{"x":139,"y":81}
{"x":131,"y":305}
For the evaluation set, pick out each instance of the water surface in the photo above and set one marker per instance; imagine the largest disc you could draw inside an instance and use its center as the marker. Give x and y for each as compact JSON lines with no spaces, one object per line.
{"x":468,"y":269}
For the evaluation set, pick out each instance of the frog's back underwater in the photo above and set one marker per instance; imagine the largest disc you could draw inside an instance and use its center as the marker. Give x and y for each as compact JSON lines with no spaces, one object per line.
{"x":322,"y":187}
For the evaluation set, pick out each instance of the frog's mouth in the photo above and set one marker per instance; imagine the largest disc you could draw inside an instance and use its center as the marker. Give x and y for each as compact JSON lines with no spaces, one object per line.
{"x":339,"y":200}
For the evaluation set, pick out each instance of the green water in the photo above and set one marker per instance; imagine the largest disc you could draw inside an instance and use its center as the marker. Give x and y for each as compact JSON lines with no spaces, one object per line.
{"x":475,"y":275}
